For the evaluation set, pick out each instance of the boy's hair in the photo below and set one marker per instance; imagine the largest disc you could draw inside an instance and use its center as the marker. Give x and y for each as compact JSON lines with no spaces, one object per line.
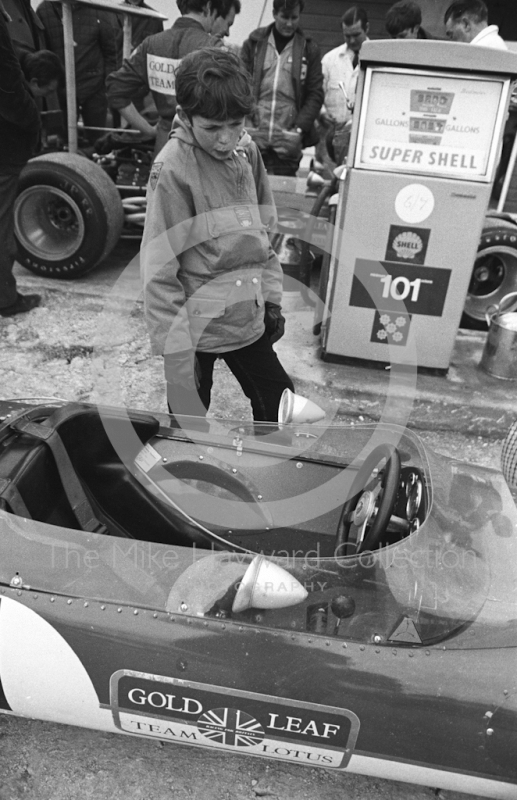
{"x":475,"y":10}
{"x":215,"y":84}
{"x":403,"y":15}
{"x":353,"y":15}
{"x":287,"y":5}
{"x":43,"y":65}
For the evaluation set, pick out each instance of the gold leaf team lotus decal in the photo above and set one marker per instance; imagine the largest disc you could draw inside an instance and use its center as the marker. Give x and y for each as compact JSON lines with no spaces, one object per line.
{"x":228,"y":726}
{"x":188,"y":712}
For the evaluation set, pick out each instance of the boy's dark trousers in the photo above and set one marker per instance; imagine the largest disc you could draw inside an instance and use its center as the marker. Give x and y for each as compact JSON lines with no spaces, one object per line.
{"x":256,"y":367}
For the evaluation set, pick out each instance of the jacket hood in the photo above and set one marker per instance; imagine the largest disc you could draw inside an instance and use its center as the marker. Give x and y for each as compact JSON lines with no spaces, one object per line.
{"x":180,"y":130}
{"x":263,"y":33}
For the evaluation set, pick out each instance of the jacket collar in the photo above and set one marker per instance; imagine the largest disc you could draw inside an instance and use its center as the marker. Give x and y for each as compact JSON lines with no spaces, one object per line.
{"x":260,"y":34}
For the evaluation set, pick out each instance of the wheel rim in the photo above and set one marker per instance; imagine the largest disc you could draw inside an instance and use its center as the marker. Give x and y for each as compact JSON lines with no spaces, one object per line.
{"x":494,"y":275}
{"x":48,"y":223}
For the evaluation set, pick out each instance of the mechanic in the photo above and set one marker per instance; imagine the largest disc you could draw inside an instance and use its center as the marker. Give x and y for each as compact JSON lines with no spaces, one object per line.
{"x":19,"y":138}
{"x":404,"y":21}
{"x":467,"y":21}
{"x":153,"y":64}
{"x":340,"y":72}
{"x":212,"y":282}
{"x":95,"y":55}
{"x":285,"y":65}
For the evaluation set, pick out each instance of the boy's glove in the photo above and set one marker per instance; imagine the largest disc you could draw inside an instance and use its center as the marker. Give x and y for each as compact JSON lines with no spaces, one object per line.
{"x":274,"y":322}
{"x":182,"y":369}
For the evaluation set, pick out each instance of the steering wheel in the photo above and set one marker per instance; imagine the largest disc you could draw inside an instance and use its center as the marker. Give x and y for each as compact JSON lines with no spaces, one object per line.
{"x":368,"y":510}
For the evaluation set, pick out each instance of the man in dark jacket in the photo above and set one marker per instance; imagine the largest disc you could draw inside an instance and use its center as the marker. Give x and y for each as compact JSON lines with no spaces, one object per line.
{"x":95,"y":55}
{"x":285,"y":65}
{"x":152,"y":66}
{"x":19,"y":132}
{"x":25,"y":29}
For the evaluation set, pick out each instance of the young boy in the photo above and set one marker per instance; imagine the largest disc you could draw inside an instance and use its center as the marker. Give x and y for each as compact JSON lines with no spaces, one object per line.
{"x":212,"y":283}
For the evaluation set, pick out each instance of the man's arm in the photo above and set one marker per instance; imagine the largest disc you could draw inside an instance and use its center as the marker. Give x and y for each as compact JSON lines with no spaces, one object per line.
{"x":313,"y":91}
{"x":126,"y":83}
{"x":135,"y":120}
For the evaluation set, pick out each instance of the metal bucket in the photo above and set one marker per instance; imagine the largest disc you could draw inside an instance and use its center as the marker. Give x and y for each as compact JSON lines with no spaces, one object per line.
{"x":500,"y":352}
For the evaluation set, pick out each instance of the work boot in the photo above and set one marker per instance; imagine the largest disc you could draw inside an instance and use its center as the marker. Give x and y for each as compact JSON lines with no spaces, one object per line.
{"x":23,"y":303}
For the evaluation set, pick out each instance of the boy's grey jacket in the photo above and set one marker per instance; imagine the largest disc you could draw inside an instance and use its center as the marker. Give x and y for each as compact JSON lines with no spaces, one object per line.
{"x":207,"y":263}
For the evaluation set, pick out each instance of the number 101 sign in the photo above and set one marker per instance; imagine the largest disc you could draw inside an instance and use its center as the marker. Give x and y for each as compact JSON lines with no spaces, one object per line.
{"x":402,"y":288}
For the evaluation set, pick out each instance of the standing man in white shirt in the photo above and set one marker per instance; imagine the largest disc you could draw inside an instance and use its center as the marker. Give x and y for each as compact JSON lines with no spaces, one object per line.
{"x":340,"y":71}
{"x":467,"y":21}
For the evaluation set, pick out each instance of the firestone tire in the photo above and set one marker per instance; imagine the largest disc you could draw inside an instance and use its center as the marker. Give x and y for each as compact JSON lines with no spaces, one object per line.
{"x":495,"y":270}
{"x":68,"y":215}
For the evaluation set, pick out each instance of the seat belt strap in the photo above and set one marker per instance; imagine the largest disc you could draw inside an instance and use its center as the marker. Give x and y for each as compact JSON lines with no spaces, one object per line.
{"x":73,"y":487}
{"x":10,"y":494}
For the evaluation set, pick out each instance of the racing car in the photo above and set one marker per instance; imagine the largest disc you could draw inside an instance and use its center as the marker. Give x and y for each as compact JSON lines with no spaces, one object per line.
{"x":336,"y":596}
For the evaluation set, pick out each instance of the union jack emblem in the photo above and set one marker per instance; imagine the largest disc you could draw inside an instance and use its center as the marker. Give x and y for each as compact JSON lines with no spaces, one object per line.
{"x":230,"y":727}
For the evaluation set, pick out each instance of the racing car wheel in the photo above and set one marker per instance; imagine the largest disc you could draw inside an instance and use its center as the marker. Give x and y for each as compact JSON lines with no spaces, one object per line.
{"x":369,"y":509}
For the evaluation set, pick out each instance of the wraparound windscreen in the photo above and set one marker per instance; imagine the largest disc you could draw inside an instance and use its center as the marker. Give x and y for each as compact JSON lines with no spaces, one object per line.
{"x":430,"y":123}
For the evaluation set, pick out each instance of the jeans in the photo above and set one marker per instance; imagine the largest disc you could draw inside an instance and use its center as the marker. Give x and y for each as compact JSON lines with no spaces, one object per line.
{"x":8,"y":190}
{"x":256,"y":367}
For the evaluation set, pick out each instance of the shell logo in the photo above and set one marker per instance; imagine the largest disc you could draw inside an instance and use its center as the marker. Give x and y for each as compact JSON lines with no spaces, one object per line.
{"x":408,"y":245}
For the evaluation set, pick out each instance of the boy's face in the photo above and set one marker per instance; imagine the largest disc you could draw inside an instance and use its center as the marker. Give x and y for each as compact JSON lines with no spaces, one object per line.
{"x":218,"y":139}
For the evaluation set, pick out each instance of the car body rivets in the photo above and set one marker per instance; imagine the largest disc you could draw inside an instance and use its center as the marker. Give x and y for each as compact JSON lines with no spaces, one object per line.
{"x":259,"y":497}
{"x":69,"y":602}
{"x":489,"y":731}
{"x":201,"y":458}
{"x":119,"y":611}
{"x":135,"y":612}
{"x":155,"y":615}
{"x":52,"y":599}
{"x":183,"y":607}
{"x":103,"y":608}
{"x":164,"y":460}
{"x":16,"y":580}
{"x":234,"y":471}
{"x":86,"y":604}
{"x":299,"y":465}
{"x":377,"y":639}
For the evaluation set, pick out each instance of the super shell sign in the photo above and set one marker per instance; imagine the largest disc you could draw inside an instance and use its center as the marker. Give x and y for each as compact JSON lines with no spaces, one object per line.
{"x":430,"y":123}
